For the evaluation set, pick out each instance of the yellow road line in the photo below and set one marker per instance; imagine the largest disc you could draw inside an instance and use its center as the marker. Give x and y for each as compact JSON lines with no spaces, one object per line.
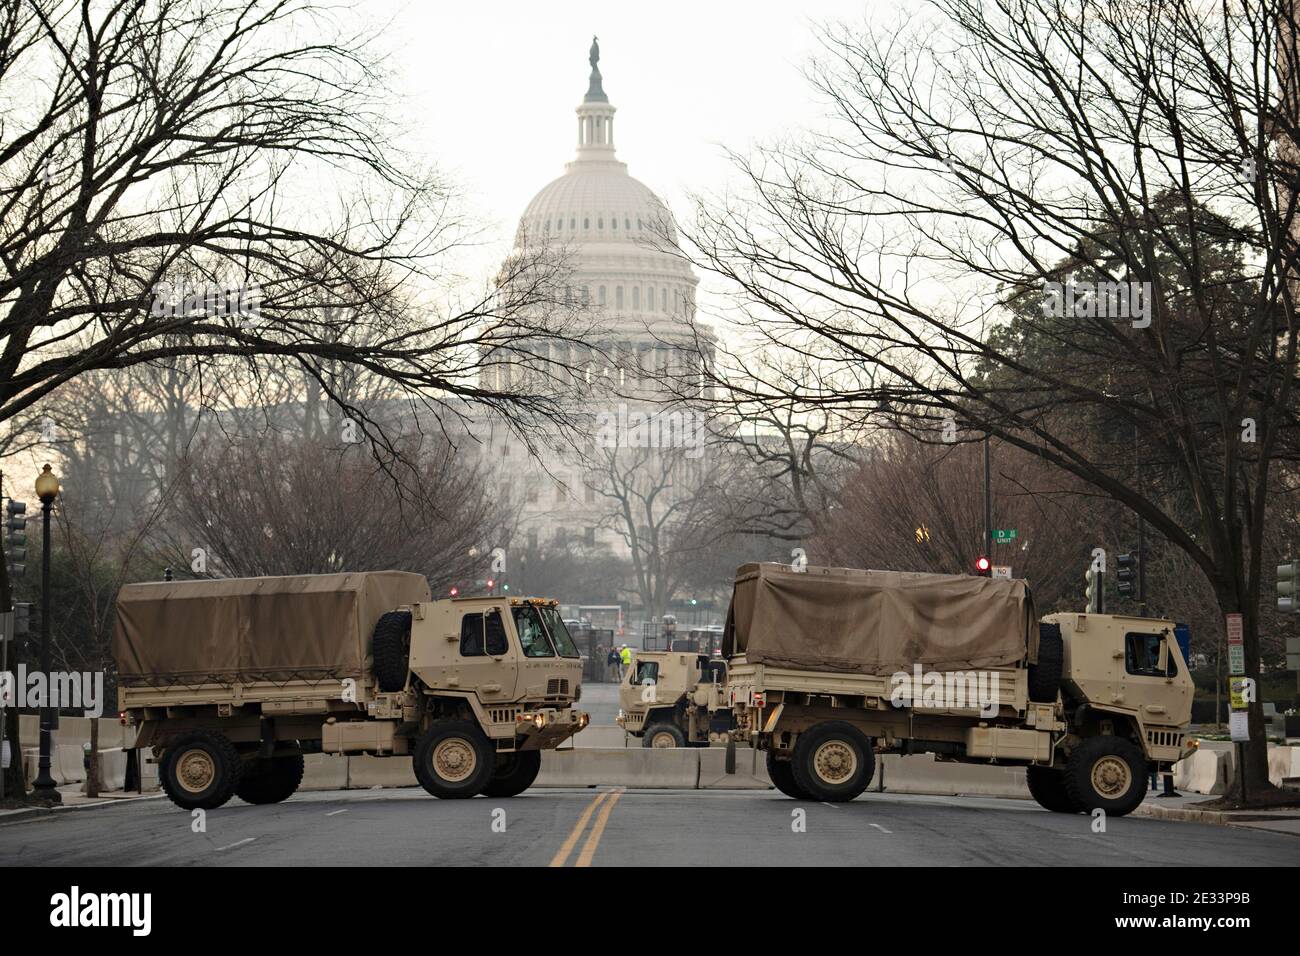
{"x":562,"y":854}
{"x":593,"y":838}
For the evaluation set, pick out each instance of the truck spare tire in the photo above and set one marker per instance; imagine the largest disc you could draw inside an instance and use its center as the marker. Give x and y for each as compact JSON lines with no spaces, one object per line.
{"x":1045,"y":676}
{"x":390,"y":647}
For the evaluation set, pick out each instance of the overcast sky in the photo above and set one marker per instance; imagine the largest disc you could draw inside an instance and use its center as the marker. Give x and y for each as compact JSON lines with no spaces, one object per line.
{"x":489,"y":88}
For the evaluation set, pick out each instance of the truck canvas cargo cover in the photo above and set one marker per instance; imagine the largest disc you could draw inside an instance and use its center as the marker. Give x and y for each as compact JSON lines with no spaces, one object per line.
{"x":877,"y":622}
{"x":300,"y":627}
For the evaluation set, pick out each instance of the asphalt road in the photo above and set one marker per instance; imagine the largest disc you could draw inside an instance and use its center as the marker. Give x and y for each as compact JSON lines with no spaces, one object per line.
{"x":612,"y":827}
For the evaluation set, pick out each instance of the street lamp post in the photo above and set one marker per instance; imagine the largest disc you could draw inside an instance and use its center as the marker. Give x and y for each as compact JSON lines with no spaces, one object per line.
{"x":47,"y":489}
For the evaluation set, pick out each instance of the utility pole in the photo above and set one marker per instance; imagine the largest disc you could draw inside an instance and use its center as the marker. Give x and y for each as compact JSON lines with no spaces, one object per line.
{"x":988,"y":503}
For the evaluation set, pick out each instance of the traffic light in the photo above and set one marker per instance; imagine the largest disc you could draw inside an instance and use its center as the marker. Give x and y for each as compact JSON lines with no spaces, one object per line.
{"x":1286,"y":583}
{"x":491,"y":584}
{"x":983,"y":565}
{"x":1093,"y":590}
{"x":455,"y":591}
{"x":16,"y":537}
{"x":1126,"y":574}
{"x":22,"y":619}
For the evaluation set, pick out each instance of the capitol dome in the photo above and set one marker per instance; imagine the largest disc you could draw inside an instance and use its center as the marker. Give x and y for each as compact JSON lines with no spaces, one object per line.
{"x":618,"y":235}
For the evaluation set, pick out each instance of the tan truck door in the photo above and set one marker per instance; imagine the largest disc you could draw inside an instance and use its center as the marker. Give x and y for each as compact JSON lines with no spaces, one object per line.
{"x":488,"y":658}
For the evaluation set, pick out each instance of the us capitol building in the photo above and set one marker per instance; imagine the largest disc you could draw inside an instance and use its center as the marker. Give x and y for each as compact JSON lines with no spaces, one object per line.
{"x":639,"y":301}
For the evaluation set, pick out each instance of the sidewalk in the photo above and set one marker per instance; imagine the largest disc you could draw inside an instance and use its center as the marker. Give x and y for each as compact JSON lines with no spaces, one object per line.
{"x":74,"y":799}
{"x":1182,"y":807}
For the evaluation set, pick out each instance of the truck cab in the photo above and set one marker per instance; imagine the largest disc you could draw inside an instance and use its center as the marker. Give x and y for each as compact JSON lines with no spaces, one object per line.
{"x":674,"y":699}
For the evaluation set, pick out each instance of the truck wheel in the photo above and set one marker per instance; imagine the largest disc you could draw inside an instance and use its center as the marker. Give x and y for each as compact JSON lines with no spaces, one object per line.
{"x":661,"y":736}
{"x":833,"y":762}
{"x":270,"y":779}
{"x":200,"y":770}
{"x":1047,"y":786}
{"x":1045,"y":676}
{"x":454,"y":760}
{"x":1108,"y":773}
{"x":782,"y":775}
{"x":391,"y":649}
{"x":514,"y":774}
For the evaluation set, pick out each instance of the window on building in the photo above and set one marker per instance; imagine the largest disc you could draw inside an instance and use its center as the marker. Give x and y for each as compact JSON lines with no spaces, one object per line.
{"x":618,"y":297}
{"x":589,"y":536}
{"x":636,"y":297}
{"x":663,"y":299}
{"x":600,"y":295}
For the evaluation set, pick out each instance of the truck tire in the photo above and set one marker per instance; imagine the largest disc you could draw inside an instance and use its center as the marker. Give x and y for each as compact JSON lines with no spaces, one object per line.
{"x":1045,"y":676}
{"x":200,"y":770}
{"x":270,"y":779}
{"x":1106,"y":773}
{"x":390,"y":648}
{"x":514,"y":773}
{"x":454,"y":760}
{"x":833,"y":762}
{"x":1047,"y":786}
{"x":662,"y":736}
{"x":782,"y":775}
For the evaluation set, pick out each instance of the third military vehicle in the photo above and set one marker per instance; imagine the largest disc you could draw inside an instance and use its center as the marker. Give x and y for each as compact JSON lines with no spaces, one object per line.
{"x":231,"y":682}
{"x":829,"y":666}
{"x":674,"y":699}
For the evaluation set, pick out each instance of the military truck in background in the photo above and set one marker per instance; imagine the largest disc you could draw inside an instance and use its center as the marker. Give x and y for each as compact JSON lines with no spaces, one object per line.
{"x":1086,"y":703}
{"x":674,"y":699}
{"x":230,"y":682}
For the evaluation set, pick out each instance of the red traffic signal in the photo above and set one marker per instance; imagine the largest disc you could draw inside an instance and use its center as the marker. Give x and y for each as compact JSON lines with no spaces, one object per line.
{"x":491,"y":584}
{"x":982,"y":564}
{"x":454,"y":590}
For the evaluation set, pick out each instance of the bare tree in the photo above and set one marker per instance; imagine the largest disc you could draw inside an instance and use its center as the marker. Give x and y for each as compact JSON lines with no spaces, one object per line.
{"x":268,"y":504}
{"x":985,"y":149}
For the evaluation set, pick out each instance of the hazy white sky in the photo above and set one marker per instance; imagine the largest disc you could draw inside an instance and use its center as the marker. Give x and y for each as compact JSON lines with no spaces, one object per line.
{"x":489,"y":88}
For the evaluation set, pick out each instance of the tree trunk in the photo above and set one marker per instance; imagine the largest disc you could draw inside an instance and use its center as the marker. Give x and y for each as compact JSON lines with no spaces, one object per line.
{"x":15,"y":784}
{"x":92,"y":772}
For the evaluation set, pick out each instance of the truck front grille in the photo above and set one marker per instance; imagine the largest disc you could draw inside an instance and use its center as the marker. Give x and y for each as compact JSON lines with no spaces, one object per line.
{"x":1164,"y":738}
{"x":557,"y":687}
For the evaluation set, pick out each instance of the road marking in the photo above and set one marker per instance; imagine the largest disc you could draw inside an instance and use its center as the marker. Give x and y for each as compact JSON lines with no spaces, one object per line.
{"x":336,"y":812}
{"x":231,"y":846}
{"x":831,"y":805}
{"x":562,"y":854}
{"x":598,"y":828}
{"x":879,"y":827}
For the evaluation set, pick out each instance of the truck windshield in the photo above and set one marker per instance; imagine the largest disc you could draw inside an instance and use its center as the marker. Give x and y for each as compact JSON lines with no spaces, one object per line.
{"x":560,"y":635}
{"x":532,"y":635}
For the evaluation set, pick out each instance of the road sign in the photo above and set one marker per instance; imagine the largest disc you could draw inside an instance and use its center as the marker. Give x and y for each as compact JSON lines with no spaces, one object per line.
{"x":1004,"y":535}
{"x":1236,"y":649}
{"x":1002,"y":571}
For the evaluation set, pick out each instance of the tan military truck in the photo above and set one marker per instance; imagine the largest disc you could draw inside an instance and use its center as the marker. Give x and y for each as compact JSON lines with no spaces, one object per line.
{"x":830,"y":666}
{"x":231,"y":682}
{"x":674,"y":699}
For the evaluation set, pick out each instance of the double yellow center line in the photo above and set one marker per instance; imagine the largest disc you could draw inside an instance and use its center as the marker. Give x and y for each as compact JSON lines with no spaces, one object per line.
{"x":608,"y":798}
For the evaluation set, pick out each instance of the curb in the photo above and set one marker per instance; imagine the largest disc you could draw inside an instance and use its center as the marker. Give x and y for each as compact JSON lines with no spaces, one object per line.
{"x":1223,"y":818}
{"x":28,"y":813}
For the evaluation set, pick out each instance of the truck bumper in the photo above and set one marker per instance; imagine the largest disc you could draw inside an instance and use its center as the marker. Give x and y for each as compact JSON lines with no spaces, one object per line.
{"x":548,"y":727}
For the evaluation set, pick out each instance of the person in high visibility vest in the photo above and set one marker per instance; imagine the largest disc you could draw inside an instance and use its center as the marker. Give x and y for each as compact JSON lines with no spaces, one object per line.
{"x":625,"y":656}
